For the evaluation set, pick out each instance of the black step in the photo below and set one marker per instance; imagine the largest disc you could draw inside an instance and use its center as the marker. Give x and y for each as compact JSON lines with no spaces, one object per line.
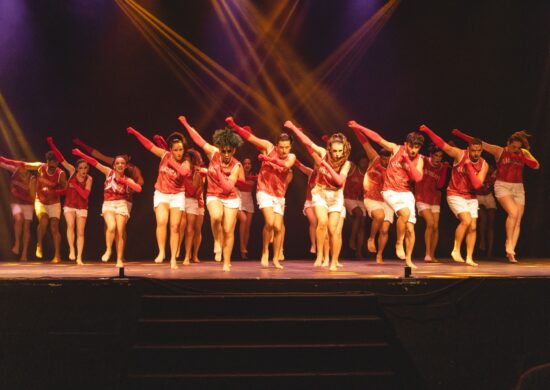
{"x":283,"y":330}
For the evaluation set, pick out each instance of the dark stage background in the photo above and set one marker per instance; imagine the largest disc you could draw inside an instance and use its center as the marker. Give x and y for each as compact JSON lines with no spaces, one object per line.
{"x":82,"y":69}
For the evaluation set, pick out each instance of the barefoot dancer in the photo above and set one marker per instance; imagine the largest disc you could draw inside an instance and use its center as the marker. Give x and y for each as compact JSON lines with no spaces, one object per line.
{"x":428,"y":198}
{"x":468,"y":173}
{"x":404,"y":166}
{"x":117,"y":189}
{"x":271,"y":189}
{"x":509,"y":182}
{"x":23,"y":193}
{"x":194,"y":207}
{"x":169,"y":198}
{"x":75,"y":209}
{"x":222,"y":200}
{"x":327,"y":195}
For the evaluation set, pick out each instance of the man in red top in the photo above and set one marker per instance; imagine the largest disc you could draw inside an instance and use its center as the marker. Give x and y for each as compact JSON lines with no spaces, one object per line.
{"x":405,"y":165}
{"x":271,"y":187}
{"x":468,"y":174}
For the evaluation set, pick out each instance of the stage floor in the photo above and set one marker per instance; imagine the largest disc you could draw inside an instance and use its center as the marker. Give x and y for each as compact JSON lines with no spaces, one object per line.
{"x":293,"y":269}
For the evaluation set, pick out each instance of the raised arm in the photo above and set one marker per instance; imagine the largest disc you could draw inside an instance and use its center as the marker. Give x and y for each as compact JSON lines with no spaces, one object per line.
{"x":94,"y":152}
{"x":495,"y":150}
{"x":367,"y":147}
{"x":261,"y":144}
{"x":374,"y":136}
{"x":92,"y":161}
{"x":196,"y":137}
{"x":452,"y":151}
{"x":311,"y":147}
{"x":146,"y":142}
{"x":304,"y":169}
{"x":8,"y":167}
{"x":69,"y":167}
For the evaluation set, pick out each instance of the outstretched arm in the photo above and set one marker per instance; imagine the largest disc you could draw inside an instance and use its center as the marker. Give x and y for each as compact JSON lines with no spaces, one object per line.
{"x":196,"y":137}
{"x":311,"y":147}
{"x":69,"y":167}
{"x":529,"y":159}
{"x":304,"y":169}
{"x":455,"y":153}
{"x":286,"y":163}
{"x":146,"y":142}
{"x":261,"y":144}
{"x":367,"y":147}
{"x":374,"y":136}
{"x":94,"y":152}
{"x":92,"y":161}
{"x":495,"y":150}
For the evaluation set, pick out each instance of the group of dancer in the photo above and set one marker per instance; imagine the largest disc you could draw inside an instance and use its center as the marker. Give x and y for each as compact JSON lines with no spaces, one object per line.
{"x":387,"y":184}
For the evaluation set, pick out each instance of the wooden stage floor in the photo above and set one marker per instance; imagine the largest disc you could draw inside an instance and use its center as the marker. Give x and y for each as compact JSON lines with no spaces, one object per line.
{"x":293,"y":269}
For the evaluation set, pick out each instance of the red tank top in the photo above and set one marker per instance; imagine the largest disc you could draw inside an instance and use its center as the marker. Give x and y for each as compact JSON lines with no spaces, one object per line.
{"x":197,"y":192}
{"x":169,"y":181}
{"x":397,"y":177}
{"x":510,"y":167}
{"x":272,"y":177}
{"x":214,"y":188}
{"x":354,"y":184}
{"x":114,"y":190}
{"x":20,"y":187}
{"x":460,"y":184}
{"x":426,"y":190}
{"x":51,"y":182}
{"x":376,"y":174}
{"x":72,"y":197}
{"x":132,"y":171}
{"x":324,"y":178}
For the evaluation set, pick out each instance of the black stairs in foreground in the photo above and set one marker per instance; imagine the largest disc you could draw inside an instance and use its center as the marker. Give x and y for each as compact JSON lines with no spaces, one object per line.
{"x":264,"y":341}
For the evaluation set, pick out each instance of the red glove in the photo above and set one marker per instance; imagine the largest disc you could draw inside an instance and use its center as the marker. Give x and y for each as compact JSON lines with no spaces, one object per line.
{"x":460,"y":134}
{"x":14,"y":163}
{"x":90,"y":160}
{"x":195,"y":136}
{"x":371,"y":134}
{"x":84,"y":146}
{"x":414,"y":174}
{"x":160,"y":141}
{"x":129,"y":183}
{"x":238,"y":129}
{"x":437,"y":140}
{"x":471,"y":173}
{"x":185,"y":172}
{"x":338,"y":179}
{"x":143,"y":140}
{"x":56,"y":151}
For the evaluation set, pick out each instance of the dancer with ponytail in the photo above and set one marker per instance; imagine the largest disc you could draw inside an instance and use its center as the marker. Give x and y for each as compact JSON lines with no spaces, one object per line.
{"x":509,"y":189}
{"x":116,"y":191}
{"x":75,"y":208}
{"x":222,"y":199}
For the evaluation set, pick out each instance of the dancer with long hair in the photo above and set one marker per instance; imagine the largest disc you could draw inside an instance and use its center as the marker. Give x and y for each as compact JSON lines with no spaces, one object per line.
{"x":75,"y":208}
{"x":509,"y":189}
{"x":222,"y":200}
{"x":116,"y":191}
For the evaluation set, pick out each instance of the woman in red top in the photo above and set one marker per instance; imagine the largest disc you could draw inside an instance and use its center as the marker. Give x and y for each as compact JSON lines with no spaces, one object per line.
{"x":246,"y":211}
{"x":353,"y":201}
{"x":75,"y":208}
{"x":222,"y":199}
{"x":509,"y":182}
{"x":116,"y":192}
{"x":169,"y":198}
{"x":328,"y":195}
{"x":23,"y":192}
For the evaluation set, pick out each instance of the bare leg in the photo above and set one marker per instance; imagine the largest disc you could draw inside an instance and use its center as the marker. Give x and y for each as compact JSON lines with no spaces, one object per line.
{"x":357,"y":232}
{"x":243,"y":222}
{"x":517,"y":229}
{"x":334,"y":241}
{"x":401,"y":225}
{"x":70,"y":218}
{"x":182,"y":231}
{"x":40,"y":233}
{"x":322,"y":222}
{"x":17,"y":230}
{"x":428,"y":233}
{"x":511,"y":208}
{"x":338,"y":248}
{"x":229,"y":222}
{"x":26,"y":239}
{"x":409,"y":240}
{"x":175,"y":221}
{"x":310,"y":214}
{"x":377,"y":219}
{"x":382,"y":240}
{"x":471,"y":243}
{"x":56,"y":235}
{"x":161,"y":215}
{"x":278,"y":235}
{"x":267,"y":234}
{"x":435,"y":236}
{"x":352,"y":242}
{"x":465,"y":219}
{"x":189,"y":237}
{"x":110,"y":229}
{"x":215,"y":209}
{"x":121,"y":221}
{"x":199,"y":219}
{"x":80,"y":227}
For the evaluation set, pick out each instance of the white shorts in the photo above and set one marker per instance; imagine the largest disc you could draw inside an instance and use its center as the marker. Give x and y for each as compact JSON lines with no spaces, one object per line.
{"x":119,"y":207}
{"x":458,"y":205}
{"x":515,"y":190}
{"x":401,"y":200}
{"x":265,"y":200}
{"x":175,"y":201}
{"x":434,"y":208}
{"x":25,"y":209}
{"x":192,"y":206}
{"x":487,"y":201}
{"x":371,"y":205}
{"x":52,"y":210}
{"x":351,"y":204}
{"x":307,"y":205}
{"x":79,"y":212}
{"x":233,"y":203}
{"x":247,"y":203}
{"x":330,"y":199}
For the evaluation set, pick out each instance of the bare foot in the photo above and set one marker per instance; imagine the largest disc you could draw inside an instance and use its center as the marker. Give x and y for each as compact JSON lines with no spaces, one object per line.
{"x":371,"y":246}
{"x":410,"y":264}
{"x":352,"y":245}
{"x":159,"y":258}
{"x":325,"y":263}
{"x":226,"y":267}
{"x":106,"y":256}
{"x":56,"y":260}
{"x":400,"y":251}
{"x":264,"y":261}
{"x":186,"y":261}
{"x":244,"y":256}
{"x":218,"y":256}
{"x":79,"y":261}
{"x":72,"y":256}
{"x":379,"y":260}
{"x":430,"y":259}
{"x":471,"y":262}
{"x":456,"y":256}
{"x":511,"y":257}
{"x":15,"y":249}
{"x":318,"y":262}
{"x":173,"y":264}
{"x":196,"y":260}
{"x":333,"y":267}
{"x":23,"y":257}
{"x":38,"y":252}
{"x":119,"y":264}
{"x":339,"y":265}
{"x":312,"y":249}
{"x":277,"y":264}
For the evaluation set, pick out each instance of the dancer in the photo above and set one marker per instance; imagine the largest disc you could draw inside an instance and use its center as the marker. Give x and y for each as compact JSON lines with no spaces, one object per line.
{"x":117,"y":189}
{"x":246,"y":211}
{"x":194,"y":207}
{"x":271,"y":189}
{"x":75,"y":209}
{"x":428,"y":198}
{"x":509,"y":189}
{"x":404,"y":166}
{"x":378,"y":210}
{"x":327,"y":194}
{"x":486,"y":212}
{"x":222,"y":200}
{"x":353,"y":201}
{"x":22,"y":193}
{"x":169,"y":198}
{"x":468,"y":173}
